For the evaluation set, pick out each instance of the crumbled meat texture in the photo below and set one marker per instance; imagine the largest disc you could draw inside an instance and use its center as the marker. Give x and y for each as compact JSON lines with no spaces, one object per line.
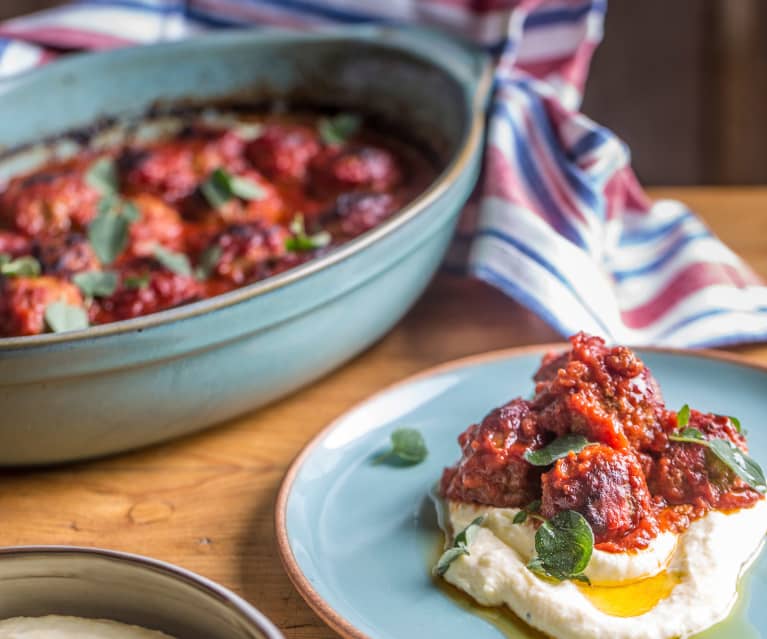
{"x":630,"y":482}
{"x":360,"y":212}
{"x":173,"y":170}
{"x":52,"y":202}
{"x":492,"y":470}
{"x":23,"y":301}
{"x":604,"y":485}
{"x":690,"y":474}
{"x":162,"y":290}
{"x":606,"y":394}
{"x":283,"y":152}
{"x":14,"y":244}
{"x":364,"y":168}
{"x":65,"y":255}
{"x":247,"y":252}
{"x":158,"y":224}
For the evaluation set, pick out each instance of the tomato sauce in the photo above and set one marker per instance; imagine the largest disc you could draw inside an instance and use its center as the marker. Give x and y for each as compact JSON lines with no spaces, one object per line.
{"x":186,"y":217}
{"x":631,"y":483}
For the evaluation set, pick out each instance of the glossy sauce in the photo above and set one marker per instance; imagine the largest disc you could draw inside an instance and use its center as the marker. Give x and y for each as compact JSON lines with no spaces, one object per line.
{"x":623,"y":601}
{"x":294,"y":188}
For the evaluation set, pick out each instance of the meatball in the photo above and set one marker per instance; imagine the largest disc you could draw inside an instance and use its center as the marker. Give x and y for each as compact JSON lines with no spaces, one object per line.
{"x":247,"y":251}
{"x":283,"y":152}
{"x":360,"y":212}
{"x":53,"y":201}
{"x":336,"y":169}
{"x":14,"y":244}
{"x":174,"y":170}
{"x":688,"y":473}
{"x":492,"y":470}
{"x":606,"y":394}
{"x":158,"y":223}
{"x":606,"y":486}
{"x":145,"y":288}
{"x":23,"y":301}
{"x":65,"y":255}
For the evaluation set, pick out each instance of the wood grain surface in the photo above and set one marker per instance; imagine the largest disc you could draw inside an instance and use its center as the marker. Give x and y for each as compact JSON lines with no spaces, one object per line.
{"x":205,"y":502}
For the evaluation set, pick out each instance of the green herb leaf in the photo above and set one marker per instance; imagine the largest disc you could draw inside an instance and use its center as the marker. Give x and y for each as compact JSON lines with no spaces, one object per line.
{"x":137,"y":281}
{"x":176,"y":262}
{"x":108,"y":232}
{"x":408,"y":447}
{"x":683,"y":416}
{"x":303,"y":242}
{"x":96,"y":283}
{"x":460,"y":546}
{"x":728,"y":453}
{"x":221,"y":186}
{"x":339,"y":128}
{"x":564,"y":545}
{"x":208,"y":262}
{"x":741,"y":464}
{"x":520,"y":517}
{"x":557,"y":449}
{"x":61,"y":317}
{"x":26,"y":266}
{"x":735,"y":422}
{"x":102,"y":176}
{"x":531,"y":508}
{"x":689,"y":435}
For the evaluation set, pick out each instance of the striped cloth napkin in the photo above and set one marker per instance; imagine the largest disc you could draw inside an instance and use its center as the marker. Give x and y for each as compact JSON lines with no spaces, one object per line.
{"x":559,"y":221}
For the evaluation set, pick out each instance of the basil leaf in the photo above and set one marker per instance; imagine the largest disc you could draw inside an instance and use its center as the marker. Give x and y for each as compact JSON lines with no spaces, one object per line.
{"x":221,"y":186}
{"x":690,"y":436}
{"x":531,"y":508}
{"x":176,"y":262}
{"x":5,"y":258}
{"x":108,"y":232}
{"x":735,"y":422}
{"x":339,"y":128}
{"x":520,"y":517}
{"x":728,"y":453}
{"x":303,"y":242}
{"x":408,"y":447}
{"x":208,"y":262}
{"x":134,"y":282}
{"x":96,"y":283}
{"x":683,"y":416}
{"x":741,"y":464}
{"x":557,"y":449}
{"x":460,"y":546}
{"x":564,"y":545}
{"x":61,"y":317}
{"x":246,"y":189}
{"x":102,"y":176}
{"x":447,"y":558}
{"x":26,"y":266}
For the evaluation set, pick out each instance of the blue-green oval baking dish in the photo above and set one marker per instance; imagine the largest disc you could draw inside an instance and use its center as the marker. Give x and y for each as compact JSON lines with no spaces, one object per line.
{"x":128,"y":384}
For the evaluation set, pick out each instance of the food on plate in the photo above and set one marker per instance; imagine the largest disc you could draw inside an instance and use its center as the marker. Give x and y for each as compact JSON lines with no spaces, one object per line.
{"x":61,"y":627}
{"x":592,"y":510}
{"x":118,"y":231}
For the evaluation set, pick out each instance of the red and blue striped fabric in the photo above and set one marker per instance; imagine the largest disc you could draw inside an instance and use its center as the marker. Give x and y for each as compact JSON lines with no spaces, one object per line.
{"x":559,"y":221}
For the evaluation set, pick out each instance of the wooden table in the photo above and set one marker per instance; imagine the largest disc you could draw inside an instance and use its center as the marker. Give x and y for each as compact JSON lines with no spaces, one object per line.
{"x":205,"y":502}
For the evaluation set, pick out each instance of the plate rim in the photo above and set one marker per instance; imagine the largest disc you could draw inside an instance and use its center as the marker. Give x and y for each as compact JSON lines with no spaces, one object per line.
{"x":303,"y":586}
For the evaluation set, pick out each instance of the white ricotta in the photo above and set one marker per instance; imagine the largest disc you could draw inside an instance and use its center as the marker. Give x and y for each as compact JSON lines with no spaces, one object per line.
{"x":707,"y":561}
{"x":60,"y":627}
{"x":605,"y":568}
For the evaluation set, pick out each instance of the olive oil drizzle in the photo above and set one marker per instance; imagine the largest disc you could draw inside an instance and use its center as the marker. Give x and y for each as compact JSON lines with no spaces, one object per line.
{"x":513,"y":627}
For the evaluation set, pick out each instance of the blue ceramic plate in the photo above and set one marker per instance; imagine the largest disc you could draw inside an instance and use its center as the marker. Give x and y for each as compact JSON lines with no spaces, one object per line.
{"x":358,"y":539}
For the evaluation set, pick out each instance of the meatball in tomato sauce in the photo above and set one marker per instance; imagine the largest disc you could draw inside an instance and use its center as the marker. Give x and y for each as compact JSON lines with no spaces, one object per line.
{"x":156,"y":222}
